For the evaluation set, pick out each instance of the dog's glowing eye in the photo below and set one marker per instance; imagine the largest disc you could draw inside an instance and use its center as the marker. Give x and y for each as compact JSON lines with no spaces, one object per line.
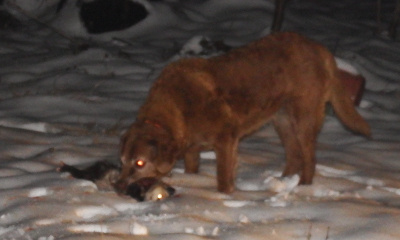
{"x":140,"y":163}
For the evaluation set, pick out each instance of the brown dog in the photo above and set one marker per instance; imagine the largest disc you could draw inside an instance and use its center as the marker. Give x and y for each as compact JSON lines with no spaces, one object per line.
{"x":198,"y":104}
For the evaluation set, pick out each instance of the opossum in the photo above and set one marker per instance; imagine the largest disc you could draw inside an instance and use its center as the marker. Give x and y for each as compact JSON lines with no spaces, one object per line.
{"x":104,"y":174}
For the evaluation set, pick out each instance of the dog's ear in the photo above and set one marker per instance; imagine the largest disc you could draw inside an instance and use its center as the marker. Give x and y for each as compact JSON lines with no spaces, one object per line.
{"x":126,"y":141}
{"x":123,"y":142}
{"x":167,"y":155}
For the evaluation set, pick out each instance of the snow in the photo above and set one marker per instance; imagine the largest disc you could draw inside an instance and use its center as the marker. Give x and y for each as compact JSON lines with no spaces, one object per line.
{"x":60,"y":103}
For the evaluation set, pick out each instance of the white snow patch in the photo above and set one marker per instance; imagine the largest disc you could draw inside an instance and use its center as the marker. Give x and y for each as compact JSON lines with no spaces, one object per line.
{"x":208,"y":155}
{"x":279,"y":200}
{"x":243,"y":219}
{"x":88,"y":184}
{"x":215,"y":231}
{"x":323,"y":192}
{"x":51,"y":237}
{"x":90,"y":228}
{"x":366,"y":180}
{"x":46,"y":222}
{"x":123,"y":207}
{"x":344,"y":65}
{"x":235,"y":204}
{"x":393,"y":190}
{"x":39,"y":192}
{"x":88,"y":212}
{"x":152,"y":217}
{"x":192,"y":46}
{"x":137,"y":229}
{"x":332,"y":171}
{"x":36,"y":127}
{"x":200,"y":231}
{"x":189,"y":230}
{"x":4,"y":230}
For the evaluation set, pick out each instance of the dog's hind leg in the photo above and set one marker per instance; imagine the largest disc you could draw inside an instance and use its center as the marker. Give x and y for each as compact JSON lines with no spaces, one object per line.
{"x":285,"y":129}
{"x":308,"y":120}
{"x":298,"y":125}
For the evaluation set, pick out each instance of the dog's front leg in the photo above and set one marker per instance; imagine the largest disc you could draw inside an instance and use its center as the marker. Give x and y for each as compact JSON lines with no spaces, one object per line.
{"x":226,"y":151}
{"x":191,"y":160}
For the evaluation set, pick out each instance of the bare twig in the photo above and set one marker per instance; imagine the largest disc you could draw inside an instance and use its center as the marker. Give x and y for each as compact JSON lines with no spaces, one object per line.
{"x":309,"y":232}
{"x":327,"y":233}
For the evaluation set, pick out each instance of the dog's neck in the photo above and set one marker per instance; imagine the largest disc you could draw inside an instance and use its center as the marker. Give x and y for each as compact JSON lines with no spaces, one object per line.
{"x":165,"y":116}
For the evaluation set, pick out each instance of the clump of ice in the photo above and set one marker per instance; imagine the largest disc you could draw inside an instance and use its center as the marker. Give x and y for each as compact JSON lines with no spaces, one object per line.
{"x":366,"y":180}
{"x":285,"y":184}
{"x":235,"y":204}
{"x":344,"y":65}
{"x":200,"y":231}
{"x":88,"y":212}
{"x":278,"y":201}
{"x":193,"y":46}
{"x":46,"y":222}
{"x":243,"y":219}
{"x":91,"y":228}
{"x":333,"y":172}
{"x":137,"y":229}
{"x":38,"y":192}
{"x":215,"y":231}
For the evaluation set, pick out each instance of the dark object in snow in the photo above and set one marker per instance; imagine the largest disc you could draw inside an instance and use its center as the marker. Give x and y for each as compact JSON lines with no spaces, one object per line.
{"x":101,"y":16}
{"x":8,"y":21}
{"x":149,"y":189}
{"x":203,"y":46}
{"x":95,"y":172}
{"x":104,"y":174}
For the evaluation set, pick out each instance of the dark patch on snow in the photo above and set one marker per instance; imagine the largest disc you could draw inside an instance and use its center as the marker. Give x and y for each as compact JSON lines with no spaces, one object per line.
{"x":7,"y":21}
{"x":102,"y":16}
{"x":97,"y":171}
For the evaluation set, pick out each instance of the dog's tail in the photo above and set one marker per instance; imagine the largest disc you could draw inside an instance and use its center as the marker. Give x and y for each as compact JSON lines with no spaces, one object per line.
{"x":344,"y":107}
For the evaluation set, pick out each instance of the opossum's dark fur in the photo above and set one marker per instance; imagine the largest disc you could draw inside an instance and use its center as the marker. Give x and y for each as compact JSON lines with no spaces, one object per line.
{"x":104,"y":174}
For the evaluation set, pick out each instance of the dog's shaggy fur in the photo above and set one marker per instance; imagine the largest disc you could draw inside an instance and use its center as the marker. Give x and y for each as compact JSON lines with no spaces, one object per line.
{"x":198,"y":104}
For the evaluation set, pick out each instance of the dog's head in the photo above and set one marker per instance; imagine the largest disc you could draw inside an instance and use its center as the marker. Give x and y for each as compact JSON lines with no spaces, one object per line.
{"x":147,"y":150}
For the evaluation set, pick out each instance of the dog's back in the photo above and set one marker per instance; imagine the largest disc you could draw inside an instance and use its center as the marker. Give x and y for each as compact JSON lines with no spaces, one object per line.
{"x":255,"y":81}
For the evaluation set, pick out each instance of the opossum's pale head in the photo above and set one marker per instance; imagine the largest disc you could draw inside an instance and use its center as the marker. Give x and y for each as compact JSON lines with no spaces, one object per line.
{"x":149,"y":189}
{"x":147,"y":151}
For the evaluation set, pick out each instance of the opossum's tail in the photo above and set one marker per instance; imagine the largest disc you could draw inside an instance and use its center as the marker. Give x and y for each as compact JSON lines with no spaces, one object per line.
{"x":343,"y":105}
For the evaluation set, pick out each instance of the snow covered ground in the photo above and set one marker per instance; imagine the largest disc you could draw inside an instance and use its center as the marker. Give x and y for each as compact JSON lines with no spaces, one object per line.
{"x":60,"y":102}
